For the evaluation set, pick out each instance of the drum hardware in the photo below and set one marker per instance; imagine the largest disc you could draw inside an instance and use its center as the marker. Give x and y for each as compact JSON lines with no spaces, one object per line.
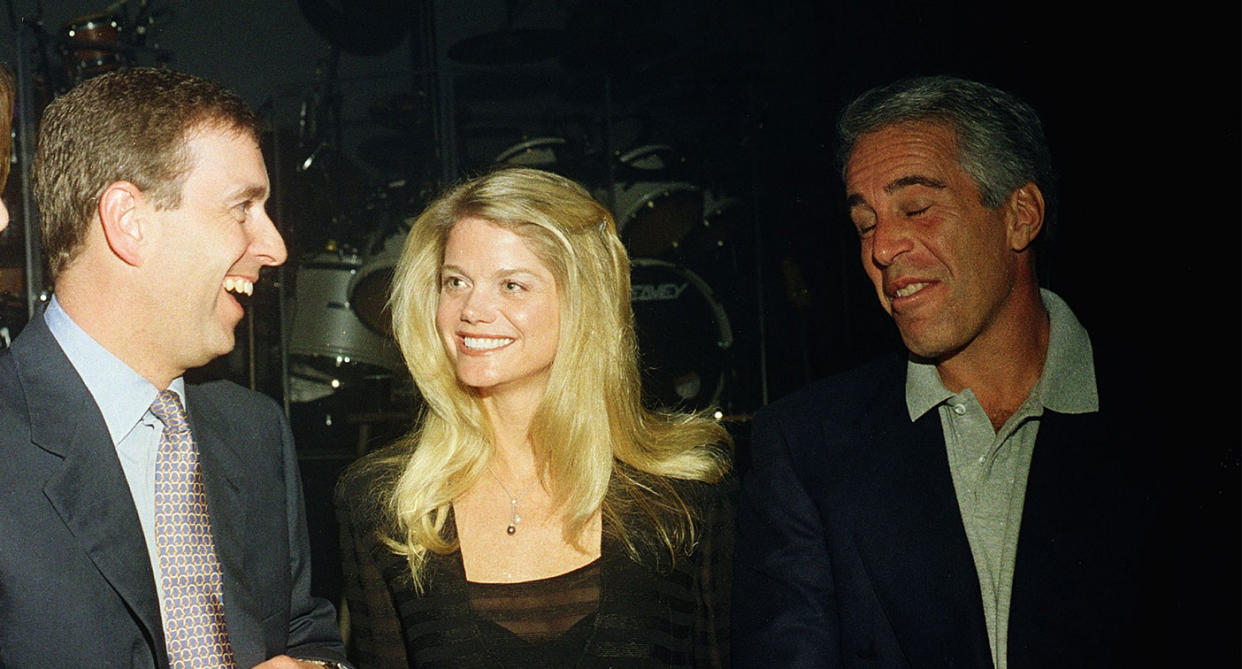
{"x":326,"y":334}
{"x":710,"y":242}
{"x":654,"y":211}
{"x":540,"y":152}
{"x":93,"y":45}
{"x":12,"y":313}
{"x":371,"y":286}
{"x":683,"y":335}
{"x":556,"y":154}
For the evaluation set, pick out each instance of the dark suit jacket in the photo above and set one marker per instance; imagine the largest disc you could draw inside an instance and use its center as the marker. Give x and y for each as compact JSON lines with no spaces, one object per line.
{"x":76,"y":585}
{"x":851,"y":549}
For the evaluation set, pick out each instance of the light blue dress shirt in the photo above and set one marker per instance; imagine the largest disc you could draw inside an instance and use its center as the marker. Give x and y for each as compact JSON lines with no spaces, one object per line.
{"x":124,"y":398}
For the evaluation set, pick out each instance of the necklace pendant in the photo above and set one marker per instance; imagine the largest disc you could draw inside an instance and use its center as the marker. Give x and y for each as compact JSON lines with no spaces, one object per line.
{"x":512,"y":529}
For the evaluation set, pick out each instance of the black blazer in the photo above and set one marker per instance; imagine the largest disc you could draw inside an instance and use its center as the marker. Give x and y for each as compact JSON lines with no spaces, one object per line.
{"x":851,"y":549}
{"x":76,"y":586}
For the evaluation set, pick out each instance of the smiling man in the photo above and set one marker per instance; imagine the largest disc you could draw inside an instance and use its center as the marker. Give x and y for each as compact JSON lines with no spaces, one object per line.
{"x":148,"y":522}
{"x":967,"y":504}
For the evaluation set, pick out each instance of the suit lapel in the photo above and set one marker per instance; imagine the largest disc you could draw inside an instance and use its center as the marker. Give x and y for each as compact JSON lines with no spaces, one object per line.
{"x":1084,"y":513}
{"x":90,"y":492}
{"x":221,"y":465}
{"x":908,"y":532}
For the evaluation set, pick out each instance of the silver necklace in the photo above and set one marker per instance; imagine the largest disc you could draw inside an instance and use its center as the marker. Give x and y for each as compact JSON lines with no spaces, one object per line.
{"x":514,"y":518}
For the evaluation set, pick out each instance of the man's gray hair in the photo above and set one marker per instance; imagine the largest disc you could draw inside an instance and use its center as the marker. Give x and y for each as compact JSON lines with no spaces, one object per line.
{"x":1000,"y":139}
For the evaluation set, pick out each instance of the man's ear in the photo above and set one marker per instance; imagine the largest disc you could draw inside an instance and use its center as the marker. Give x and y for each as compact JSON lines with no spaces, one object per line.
{"x":121,"y":222}
{"x":1026,"y":216}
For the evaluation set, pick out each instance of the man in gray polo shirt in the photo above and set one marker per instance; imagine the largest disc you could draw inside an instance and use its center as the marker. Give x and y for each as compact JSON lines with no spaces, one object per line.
{"x":965,"y":504}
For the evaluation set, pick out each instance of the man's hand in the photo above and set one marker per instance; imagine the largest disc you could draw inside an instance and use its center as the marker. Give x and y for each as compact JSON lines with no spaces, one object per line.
{"x":286,"y":662}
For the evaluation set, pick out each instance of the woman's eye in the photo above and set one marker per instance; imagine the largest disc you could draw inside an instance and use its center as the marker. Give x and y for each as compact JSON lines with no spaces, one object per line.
{"x":916,"y":212}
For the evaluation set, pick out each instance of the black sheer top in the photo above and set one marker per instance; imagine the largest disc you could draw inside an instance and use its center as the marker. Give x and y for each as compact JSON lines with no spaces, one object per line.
{"x":645,"y":612}
{"x":546,"y":622}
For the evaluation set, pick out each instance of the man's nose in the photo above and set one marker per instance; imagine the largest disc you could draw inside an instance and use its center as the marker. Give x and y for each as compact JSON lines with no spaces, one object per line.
{"x":890,"y":238}
{"x":267,"y":244}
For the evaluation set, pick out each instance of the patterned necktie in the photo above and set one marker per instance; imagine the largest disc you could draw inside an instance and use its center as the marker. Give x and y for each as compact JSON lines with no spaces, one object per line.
{"x":194,"y":628}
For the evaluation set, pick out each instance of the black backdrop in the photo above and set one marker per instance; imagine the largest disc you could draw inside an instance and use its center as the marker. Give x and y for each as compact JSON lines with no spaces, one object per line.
{"x":1142,"y":110}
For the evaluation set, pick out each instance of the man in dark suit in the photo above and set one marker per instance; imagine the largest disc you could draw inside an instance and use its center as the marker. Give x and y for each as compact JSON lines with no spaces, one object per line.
{"x":972,"y":503}
{"x":126,"y":539}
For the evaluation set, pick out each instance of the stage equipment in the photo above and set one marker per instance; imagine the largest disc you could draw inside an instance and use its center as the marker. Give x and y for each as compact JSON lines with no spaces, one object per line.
{"x":655,"y":206}
{"x":92,"y":46}
{"x":684,"y":335}
{"x":327,"y":334}
{"x":554,"y":154}
{"x":372,"y":284}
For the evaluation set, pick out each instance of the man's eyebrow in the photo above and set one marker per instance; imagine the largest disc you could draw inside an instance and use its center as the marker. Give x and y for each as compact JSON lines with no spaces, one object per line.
{"x":255,"y":192}
{"x":854,"y":199}
{"x":913,"y":180}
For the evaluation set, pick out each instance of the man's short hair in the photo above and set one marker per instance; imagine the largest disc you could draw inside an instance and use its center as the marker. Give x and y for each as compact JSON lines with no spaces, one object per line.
{"x":1000,"y":138}
{"x":131,"y":125}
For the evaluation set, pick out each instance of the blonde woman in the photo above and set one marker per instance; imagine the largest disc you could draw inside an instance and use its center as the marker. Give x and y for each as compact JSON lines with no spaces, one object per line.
{"x":538,"y":514}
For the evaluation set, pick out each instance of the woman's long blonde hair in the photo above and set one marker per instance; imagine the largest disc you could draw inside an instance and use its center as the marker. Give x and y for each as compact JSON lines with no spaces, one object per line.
{"x":596,"y":446}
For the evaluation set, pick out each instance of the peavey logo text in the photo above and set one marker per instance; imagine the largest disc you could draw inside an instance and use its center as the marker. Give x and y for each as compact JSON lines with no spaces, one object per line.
{"x":651,"y":292}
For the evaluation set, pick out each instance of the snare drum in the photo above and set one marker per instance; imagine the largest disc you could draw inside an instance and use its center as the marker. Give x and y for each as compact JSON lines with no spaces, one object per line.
{"x":654,"y":211}
{"x":683,"y":335}
{"x":82,"y":62}
{"x":326,"y":333}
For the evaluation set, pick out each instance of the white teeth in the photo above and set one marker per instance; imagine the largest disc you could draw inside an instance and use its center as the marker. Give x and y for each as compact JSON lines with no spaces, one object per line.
{"x":238,"y":285}
{"x":910,"y":289}
{"x":486,"y":343}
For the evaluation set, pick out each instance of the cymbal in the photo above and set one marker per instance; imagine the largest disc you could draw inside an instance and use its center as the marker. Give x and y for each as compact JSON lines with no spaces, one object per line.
{"x":509,"y":46}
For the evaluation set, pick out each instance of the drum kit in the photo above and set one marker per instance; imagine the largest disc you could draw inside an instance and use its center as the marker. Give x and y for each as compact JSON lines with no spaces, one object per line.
{"x":101,"y":42}
{"x":680,"y":235}
{"x":677,"y":231}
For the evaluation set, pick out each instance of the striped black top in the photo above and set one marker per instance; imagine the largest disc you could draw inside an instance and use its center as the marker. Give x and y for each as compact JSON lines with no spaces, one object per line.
{"x":545,"y":622}
{"x":646,"y":612}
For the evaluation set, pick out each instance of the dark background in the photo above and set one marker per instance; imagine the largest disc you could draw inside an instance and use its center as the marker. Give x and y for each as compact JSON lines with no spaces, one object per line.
{"x":1141,"y":108}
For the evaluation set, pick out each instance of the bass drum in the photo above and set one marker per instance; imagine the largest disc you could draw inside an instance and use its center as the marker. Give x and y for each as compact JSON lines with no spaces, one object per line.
{"x":684,"y":336}
{"x":327,"y":336}
{"x":654,"y":210}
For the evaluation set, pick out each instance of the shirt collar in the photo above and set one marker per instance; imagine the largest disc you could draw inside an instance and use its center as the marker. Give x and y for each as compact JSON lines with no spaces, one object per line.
{"x":122,"y":395}
{"x":1066,"y":385}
